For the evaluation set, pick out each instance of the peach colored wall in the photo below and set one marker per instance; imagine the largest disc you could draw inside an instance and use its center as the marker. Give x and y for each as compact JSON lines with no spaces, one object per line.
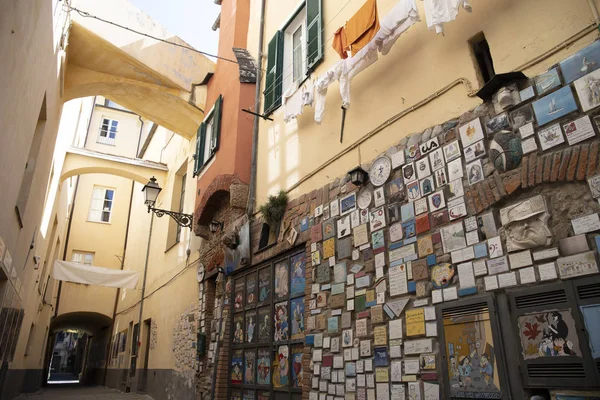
{"x":234,"y":154}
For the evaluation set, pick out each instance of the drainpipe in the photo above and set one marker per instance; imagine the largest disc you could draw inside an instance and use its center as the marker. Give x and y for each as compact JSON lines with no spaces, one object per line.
{"x":144,"y":284}
{"x":217,"y":346}
{"x":119,"y":289}
{"x":595,"y":12}
{"x":252,"y":194}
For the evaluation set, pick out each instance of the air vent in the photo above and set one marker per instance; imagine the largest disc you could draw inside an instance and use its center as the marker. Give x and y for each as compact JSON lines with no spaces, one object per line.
{"x":465,"y":311}
{"x":588,"y":291}
{"x":556,"y":371}
{"x":541,"y":299}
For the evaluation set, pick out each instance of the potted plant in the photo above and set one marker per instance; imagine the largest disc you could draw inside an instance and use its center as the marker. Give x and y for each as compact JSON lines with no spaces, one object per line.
{"x":274,"y":209}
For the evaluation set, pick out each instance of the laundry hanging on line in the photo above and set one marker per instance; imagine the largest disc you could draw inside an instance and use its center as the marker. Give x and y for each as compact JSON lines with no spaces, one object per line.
{"x":358,"y":31}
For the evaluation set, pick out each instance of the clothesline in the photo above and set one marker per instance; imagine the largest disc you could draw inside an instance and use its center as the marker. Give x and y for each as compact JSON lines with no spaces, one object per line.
{"x":392,"y":26}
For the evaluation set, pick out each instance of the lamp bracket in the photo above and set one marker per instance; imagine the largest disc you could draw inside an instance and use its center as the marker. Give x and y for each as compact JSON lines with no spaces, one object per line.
{"x":183,"y":220}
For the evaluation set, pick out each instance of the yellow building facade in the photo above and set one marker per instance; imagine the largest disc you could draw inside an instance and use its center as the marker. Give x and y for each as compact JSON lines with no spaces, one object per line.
{"x":434,"y":73}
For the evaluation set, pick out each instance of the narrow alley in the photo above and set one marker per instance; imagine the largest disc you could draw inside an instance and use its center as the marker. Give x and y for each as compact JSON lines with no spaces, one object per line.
{"x":299,"y":199}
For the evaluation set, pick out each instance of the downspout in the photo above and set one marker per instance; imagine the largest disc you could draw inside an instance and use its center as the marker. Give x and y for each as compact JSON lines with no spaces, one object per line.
{"x":144,"y":285}
{"x":122,"y":266}
{"x":261,"y":33}
{"x":595,"y":13}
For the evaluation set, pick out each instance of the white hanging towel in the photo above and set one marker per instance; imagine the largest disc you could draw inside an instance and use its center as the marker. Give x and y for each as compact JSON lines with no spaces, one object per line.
{"x":296,"y":98}
{"x":292,"y":102}
{"x":438,"y":12}
{"x":404,"y":15}
{"x":353,"y":66}
{"x":321,"y":85}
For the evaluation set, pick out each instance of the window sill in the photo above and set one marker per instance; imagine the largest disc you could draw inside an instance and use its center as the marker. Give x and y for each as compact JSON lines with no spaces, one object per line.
{"x":98,"y":222}
{"x":205,"y":165}
{"x":106,"y":144}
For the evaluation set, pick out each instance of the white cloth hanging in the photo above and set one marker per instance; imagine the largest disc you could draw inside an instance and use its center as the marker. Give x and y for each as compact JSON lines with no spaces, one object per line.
{"x":321,"y":85}
{"x":353,"y":66}
{"x":438,"y":12}
{"x":296,"y":98}
{"x":292,"y":102}
{"x":404,"y":15}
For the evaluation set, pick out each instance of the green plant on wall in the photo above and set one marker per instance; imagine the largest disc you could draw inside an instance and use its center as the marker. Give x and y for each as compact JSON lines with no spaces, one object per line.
{"x":274,"y":209}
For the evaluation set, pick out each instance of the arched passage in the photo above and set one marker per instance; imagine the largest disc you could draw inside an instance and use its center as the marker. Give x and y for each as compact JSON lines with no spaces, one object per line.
{"x":89,"y":322}
{"x":82,"y":161}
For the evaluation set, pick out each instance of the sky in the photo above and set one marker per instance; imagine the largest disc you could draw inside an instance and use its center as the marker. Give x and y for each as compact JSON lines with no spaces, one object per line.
{"x":191,"y":20}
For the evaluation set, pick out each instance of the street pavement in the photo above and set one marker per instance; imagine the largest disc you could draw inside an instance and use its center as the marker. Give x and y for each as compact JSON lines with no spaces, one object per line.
{"x":76,"y":392}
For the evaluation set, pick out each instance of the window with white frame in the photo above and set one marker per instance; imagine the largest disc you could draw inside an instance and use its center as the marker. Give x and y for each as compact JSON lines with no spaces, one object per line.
{"x":294,"y":51}
{"x":108,"y":131}
{"x":101,"y":204}
{"x":82,"y":257}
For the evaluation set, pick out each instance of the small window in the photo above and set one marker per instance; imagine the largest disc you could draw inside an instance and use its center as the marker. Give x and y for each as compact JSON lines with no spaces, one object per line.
{"x":208,"y":136}
{"x":483,"y":57}
{"x":181,"y":202}
{"x":108,"y":131}
{"x":81,"y":257}
{"x":101,"y":205}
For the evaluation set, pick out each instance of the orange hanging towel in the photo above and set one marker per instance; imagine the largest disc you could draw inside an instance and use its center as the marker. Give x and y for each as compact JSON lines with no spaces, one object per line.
{"x":340,"y":42}
{"x":362,"y":27}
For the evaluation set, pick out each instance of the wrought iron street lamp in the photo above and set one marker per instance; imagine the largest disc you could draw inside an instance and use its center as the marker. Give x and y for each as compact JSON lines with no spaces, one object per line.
{"x":151,"y":190}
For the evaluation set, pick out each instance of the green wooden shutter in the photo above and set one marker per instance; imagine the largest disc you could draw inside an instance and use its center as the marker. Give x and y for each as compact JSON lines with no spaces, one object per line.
{"x":314,"y":37}
{"x":273,"y":81}
{"x":200,"y":142}
{"x":217,"y":122}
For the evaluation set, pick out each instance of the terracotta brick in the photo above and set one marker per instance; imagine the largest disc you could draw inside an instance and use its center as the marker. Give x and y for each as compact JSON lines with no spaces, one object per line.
{"x":564,"y":164}
{"x":524,"y":172}
{"x":583,"y":162}
{"x":539,"y":170}
{"x":325,"y":194}
{"x":488,"y":192}
{"x":495,"y":191}
{"x":499,"y":184}
{"x":592,"y":159}
{"x":334,"y":193}
{"x":532,"y":167}
{"x":469,"y":201}
{"x":482,"y":195}
{"x":556,"y":160}
{"x":476,"y":200}
{"x":572,"y":169}
{"x":547,"y":167}
{"x":512,"y":180}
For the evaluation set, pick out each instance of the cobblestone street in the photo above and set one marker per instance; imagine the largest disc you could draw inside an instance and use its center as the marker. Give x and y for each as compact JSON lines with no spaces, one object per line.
{"x":82,"y":393}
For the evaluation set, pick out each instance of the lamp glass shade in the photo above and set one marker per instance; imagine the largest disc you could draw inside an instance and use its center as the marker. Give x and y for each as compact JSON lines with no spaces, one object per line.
{"x":151,"y":190}
{"x":358,"y":176}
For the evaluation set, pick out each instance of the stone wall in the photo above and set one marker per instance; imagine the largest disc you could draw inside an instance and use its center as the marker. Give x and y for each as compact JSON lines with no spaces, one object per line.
{"x":380,"y":292}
